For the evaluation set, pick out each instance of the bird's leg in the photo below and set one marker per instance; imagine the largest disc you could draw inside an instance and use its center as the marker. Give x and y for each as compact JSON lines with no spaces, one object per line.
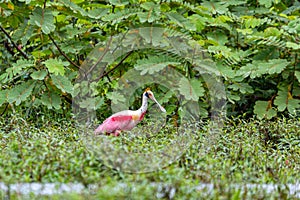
{"x":117,"y":133}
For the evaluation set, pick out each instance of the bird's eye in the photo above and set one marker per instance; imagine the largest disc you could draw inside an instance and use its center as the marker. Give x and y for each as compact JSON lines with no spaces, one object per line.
{"x":147,"y":95}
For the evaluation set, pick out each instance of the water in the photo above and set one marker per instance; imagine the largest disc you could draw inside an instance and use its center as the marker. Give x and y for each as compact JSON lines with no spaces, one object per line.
{"x":53,"y":188}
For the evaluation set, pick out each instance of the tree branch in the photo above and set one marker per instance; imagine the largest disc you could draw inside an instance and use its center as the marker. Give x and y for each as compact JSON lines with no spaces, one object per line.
{"x":14,"y":44}
{"x":106,"y":73}
{"x":62,"y":53}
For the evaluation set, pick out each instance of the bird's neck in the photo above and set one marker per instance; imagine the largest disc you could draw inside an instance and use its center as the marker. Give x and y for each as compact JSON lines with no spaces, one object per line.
{"x":144,"y":106}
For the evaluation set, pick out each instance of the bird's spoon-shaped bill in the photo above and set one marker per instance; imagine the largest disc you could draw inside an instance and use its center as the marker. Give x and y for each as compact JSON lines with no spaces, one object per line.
{"x":160,"y":107}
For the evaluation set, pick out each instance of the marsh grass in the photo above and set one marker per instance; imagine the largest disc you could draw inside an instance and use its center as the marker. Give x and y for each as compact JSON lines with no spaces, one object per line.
{"x":245,"y":151}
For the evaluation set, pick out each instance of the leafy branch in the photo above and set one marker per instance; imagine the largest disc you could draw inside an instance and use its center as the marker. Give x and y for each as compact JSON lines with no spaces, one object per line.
{"x":115,"y":67}
{"x":13,"y":43}
{"x":63,"y":54}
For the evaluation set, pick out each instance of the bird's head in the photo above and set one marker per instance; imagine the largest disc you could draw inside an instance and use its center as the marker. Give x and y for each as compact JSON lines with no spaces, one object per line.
{"x":150,"y":95}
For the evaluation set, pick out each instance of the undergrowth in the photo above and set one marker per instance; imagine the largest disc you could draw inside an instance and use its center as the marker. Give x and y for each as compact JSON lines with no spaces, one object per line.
{"x":243,"y":151}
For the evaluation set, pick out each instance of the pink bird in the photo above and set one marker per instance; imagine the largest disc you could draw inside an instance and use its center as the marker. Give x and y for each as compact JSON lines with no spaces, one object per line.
{"x":127,"y":119}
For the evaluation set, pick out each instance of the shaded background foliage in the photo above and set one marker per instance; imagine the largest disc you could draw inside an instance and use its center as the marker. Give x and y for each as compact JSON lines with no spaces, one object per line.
{"x":255,"y":45}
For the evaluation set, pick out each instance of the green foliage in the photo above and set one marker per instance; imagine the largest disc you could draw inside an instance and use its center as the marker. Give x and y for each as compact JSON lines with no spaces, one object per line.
{"x":154,"y":64}
{"x":191,"y":89}
{"x":62,"y":83}
{"x":252,"y":151}
{"x":254,"y":43}
{"x":263,"y":109}
{"x":20,"y":92}
{"x":55,"y":66}
{"x":43,"y":19}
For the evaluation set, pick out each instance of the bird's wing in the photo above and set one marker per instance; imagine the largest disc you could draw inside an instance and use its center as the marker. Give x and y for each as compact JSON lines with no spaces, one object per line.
{"x":117,"y":121}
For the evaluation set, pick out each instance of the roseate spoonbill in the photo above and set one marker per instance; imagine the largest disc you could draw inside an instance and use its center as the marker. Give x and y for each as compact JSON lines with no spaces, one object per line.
{"x":127,"y":119}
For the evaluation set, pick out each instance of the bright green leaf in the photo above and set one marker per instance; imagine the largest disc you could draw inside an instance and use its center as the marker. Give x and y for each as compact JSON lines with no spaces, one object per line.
{"x":44,"y":19}
{"x":191,"y":90}
{"x":262,"y":110}
{"x":176,"y":17}
{"x":216,"y":7}
{"x":19,"y":66}
{"x":284,"y":101}
{"x":51,"y":100}
{"x":293,"y":106}
{"x":197,"y":21}
{"x":293,"y":45}
{"x":244,"y":88}
{"x":56,"y":66}
{"x":245,"y":31}
{"x":197,"y":87}
{"x":251,"y":22}
{"x":20,"y":92}
{"x":272,"y":32}
{"x":152,"y":36}
{"x":74,"y":7}
{"x":281,"y":100}
{"x":257,"y":68}
{"x":62,"y":83}
{"x":39,"y":75}
{"x":154,"y":64}
{"x":233,"y":98}
{"x":276,"y":66}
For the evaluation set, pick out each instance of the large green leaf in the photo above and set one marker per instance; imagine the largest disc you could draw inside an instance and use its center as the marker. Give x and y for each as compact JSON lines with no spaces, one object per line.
{"x":62,"y":83}
{"x":284,"y":100}
{"x":197,"y":21}
{"x":176,"y":18}
{"x":74,"y":7}
{"x":20,"y":92}
{"x":216,"y":7}
{"x":51,"y":100}
{"x":293,"y":106}
{"x":281,"y":100}
{"x":19,"y":66}
{"x":23,"y":33}
{"x":257,"y":68}
{"x":244,"y":88}
{"x":44,"y":19}
{"x":114,"y":18}
{"x":98,"y":13}
{"x":276,"y":66}
{"x":191,"y":89}
{"x":153,"y":36}
{"x":263,"y":110}
{"x":251,"y":22}
{"x":154,"y":64}
{"x":39,"y":75}
{"x":152,"y":14}
{"x":56,"y":66}
{"x":293,"y":45}
{"x":226,"y":71}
